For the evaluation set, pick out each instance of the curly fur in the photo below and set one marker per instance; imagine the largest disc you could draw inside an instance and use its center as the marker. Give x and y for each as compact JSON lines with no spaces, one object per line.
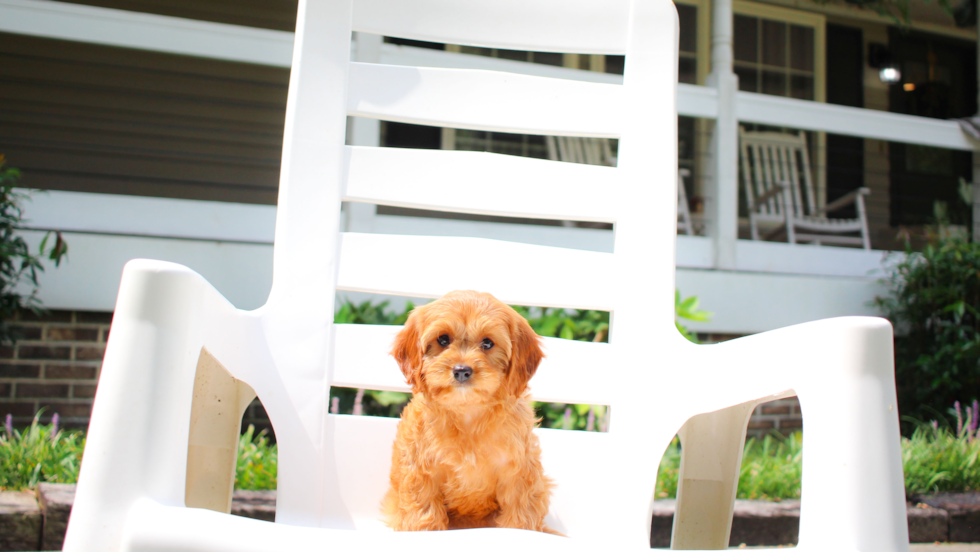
{"x":465,"y":454}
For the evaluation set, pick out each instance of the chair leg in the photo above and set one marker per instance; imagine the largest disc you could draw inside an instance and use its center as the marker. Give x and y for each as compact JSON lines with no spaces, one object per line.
{"x":865,"y":239}
{"x":787,"y":199}
{"x":712,"y":445}
{"x":212,"y":451}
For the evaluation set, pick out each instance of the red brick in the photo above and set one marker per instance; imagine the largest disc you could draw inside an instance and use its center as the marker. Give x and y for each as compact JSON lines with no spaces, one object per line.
{"x":27,"y":332}
{"x":61,"y":333}
{"x":19,"y":370}
{"x":105,"y":335}
{"x":89,"y":353}
{"x":5,"y":389}
{"x":47,"y":316}
{"x":43,"y":352}
{"x":761,"y":424}
{"x":41,"y":390}
{"x":80,"y":391}
{"x":68,"y":410}
{"x":68,"y":371}
{"x":791,"y":423}
{"x":90,"y":317}
{"x":17,"y":409}
{"x":6,"y":352}
{"x":775,"y":409}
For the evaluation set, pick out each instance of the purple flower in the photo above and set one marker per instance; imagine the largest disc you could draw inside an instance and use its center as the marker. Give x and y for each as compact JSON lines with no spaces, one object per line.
{"x":8,"y":425}
{"x":54,"y":426}
{"x":959,"y":418}
{"x":975,"y":415}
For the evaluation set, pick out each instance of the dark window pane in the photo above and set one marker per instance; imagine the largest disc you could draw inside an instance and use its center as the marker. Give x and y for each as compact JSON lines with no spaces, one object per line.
{"x":688,"y":71}
{"x":547,"y":58}
{"x":748,"y":79}
{"x":801,"y":87}
{"x":801,"y":47}
{"x":688,"y":16}
{"x":746,"y":38}
{"x":403,"y":135}
{"x":614,"y":64}
{"x":773,"y":83}
{"x":773,"y":43}
{"x":685,"y":138}
{"x":516,"y":55}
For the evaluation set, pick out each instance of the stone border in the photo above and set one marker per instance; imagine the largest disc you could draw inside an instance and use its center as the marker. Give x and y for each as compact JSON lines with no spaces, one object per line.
{"x":37,"y":521}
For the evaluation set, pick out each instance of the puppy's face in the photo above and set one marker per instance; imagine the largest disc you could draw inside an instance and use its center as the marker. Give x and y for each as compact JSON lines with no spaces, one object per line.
{"x":467,"y":348}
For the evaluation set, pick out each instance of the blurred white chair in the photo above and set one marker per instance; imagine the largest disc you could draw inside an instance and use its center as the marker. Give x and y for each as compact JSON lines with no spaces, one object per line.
{"x":596,"y":151}
{"x":780,"y":193}
{"x":182,"y":362}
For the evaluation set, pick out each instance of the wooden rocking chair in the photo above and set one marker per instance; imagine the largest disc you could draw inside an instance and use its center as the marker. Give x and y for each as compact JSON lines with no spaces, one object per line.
{"x":774,"y":165}
{"x":596,"y":151}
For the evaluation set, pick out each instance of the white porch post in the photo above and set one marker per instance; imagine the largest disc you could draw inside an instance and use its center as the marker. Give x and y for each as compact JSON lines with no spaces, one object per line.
{"x":975,"y":234}
{"x":721,"y":203}
{"x":364,"y":132}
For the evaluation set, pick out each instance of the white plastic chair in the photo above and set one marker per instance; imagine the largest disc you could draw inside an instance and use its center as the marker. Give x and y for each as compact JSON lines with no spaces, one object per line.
{"x":779,"y":192}
{"x":182,"y":362}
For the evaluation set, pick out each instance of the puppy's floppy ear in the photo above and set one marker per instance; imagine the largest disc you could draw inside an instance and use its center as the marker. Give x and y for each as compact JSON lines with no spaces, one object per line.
{"x":525,"y":355}
{"x":408,"y":349}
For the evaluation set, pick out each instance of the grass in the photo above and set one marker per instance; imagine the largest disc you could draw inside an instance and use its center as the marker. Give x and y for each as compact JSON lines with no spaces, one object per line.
{"x":936,"y":459}
{"x":772,"y":468}
{"x":39,"y":453}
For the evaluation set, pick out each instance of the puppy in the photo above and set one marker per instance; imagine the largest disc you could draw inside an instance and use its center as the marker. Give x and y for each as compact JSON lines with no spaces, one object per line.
{"x":465,"y":455}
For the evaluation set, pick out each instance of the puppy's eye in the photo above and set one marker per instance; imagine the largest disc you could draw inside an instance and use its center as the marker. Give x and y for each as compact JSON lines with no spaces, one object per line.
{"x":486,"y":344}
{"x":443,"y":340}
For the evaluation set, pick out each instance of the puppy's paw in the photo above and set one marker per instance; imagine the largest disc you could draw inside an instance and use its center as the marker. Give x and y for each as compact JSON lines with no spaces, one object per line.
{"x":423,"y":519}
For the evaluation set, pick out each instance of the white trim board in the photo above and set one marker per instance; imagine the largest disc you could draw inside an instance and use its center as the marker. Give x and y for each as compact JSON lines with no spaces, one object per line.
{"x":144,"y":31}
{"x":176,"y":35}
{"x":216,"y":221}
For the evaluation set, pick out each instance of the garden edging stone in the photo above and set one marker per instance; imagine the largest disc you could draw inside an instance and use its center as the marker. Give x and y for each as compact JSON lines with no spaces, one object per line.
{"x":29,"y":522}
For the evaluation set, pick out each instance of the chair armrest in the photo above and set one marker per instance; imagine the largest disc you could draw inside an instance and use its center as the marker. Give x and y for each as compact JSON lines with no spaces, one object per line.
{"x":778,"y":188}
{"x":846,"y":199}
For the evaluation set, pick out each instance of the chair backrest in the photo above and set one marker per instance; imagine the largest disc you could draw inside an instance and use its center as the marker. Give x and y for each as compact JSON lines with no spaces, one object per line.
{"x":337,"y":473}
{"x":770,"y":158}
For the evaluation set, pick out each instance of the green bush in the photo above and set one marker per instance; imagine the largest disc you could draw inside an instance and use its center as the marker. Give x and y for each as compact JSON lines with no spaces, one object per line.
{"x":19,"y":267}
{"x":772,"y":469}
{"x":258,"y":461}
{"x":39,"y":453}
{"x":938,"y":458}
{"x":579,"y":325}
{"x":933,"y":303}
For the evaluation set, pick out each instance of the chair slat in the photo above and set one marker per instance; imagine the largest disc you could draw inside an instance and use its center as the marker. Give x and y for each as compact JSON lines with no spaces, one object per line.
{"x":484,"y":100}
{"x":549,"y":26}
{"x":361,"y":360}
{"x":518,"y":274}
{"x":432,"y":179}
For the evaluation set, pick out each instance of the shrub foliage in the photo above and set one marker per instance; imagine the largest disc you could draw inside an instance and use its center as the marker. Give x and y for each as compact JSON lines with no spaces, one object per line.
{"x":934,"y":304}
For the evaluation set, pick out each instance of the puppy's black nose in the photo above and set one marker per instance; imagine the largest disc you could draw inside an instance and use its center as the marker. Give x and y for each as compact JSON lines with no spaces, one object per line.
{"x":462,"y":372}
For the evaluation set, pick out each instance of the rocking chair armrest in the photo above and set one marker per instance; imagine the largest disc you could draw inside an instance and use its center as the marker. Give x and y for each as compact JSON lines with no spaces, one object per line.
{"x":778,"y":188}
{"x":842,"y":201}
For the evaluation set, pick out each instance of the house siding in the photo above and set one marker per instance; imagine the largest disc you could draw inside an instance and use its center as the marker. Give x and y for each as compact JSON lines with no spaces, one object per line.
{"x":279,"y":15}
{"x":84,"y":117}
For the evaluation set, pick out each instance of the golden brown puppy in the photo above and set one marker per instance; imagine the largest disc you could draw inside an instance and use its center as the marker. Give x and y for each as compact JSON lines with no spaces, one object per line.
{"x":465,"y":455}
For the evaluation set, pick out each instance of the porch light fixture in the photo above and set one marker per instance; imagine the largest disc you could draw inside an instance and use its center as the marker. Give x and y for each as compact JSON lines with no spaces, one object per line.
{"x":881,"y":59}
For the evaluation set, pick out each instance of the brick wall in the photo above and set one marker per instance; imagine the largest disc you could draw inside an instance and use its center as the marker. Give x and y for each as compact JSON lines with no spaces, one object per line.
{"x":54,"y":366}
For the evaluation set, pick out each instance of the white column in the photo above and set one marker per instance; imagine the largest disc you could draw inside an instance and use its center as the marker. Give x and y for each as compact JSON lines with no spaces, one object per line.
{"x":721,"y":202}
{"x":975,"y":234}
{"x":364,"y":132}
